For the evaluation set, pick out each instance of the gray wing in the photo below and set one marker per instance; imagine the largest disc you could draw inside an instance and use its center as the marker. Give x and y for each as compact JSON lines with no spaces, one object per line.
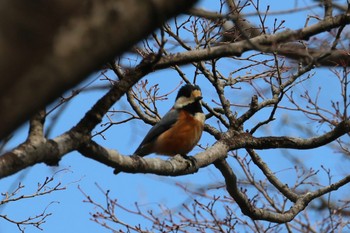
{"x":163,"y":125}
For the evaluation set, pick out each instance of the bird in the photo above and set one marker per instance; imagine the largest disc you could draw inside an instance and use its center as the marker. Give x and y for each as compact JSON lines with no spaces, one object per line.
{"x":180,"y":129}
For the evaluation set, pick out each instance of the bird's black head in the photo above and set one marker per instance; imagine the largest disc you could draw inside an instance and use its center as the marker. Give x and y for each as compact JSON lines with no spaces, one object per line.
{"x":188,"y":94}
{"x":187,"y":90}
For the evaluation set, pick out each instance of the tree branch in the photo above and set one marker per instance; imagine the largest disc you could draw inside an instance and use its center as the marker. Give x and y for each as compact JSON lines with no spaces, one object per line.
{"x":283,"y":188}
{"x":33,"y":152}
{"x":95,"y":114}
{"x":268,"y":44}
{"x":245,"y":140}
{"x":261,"y":214}
{"x":50,"y":152}
{"x":175,"y":166}
{"x":228,"y":141}
{"x":38,"y":149}
{"x":73,"y":40}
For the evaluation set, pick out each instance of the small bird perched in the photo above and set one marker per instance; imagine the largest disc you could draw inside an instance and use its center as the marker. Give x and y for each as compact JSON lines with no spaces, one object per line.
{"x":180,"y":129}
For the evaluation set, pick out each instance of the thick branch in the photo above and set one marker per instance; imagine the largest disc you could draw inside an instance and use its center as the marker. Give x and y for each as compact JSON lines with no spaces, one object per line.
{"x":173,"y":167}
{"x":306,"y":55}
{"x":269,"y":44}
{"x":229,"y":141}
{"x":48,"y":47}
{"x":38,"y":149}
{"x":245,"y":140}
{"x":51,"y":151}
{"x":95,"y":114}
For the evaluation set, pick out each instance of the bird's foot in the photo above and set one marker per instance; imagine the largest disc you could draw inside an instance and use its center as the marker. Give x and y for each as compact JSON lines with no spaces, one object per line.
{"x":135,"y":157}
{"x":192,"y":161}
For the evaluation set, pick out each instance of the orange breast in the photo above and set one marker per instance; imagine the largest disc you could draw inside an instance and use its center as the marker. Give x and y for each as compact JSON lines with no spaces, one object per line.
{"x":181,"y":138}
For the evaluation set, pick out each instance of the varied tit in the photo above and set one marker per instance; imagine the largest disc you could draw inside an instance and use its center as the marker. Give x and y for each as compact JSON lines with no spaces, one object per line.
{"x":180,"y":129}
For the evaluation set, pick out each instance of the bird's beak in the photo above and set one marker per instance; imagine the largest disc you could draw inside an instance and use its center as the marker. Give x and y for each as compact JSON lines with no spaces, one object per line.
{"x":198,"y":98}
{"x":197,"y":94}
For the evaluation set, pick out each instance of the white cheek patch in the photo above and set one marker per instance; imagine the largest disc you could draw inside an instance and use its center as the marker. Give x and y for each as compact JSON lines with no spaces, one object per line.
{"x":183,"y":101}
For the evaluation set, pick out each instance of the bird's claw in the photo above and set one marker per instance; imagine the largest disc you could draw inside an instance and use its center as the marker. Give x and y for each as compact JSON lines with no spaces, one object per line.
{"x":191,"y":160}
{"x":135,"y":157}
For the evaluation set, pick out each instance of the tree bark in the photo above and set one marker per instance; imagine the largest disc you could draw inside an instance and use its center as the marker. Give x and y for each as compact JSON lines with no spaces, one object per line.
{"x":48,"y":47}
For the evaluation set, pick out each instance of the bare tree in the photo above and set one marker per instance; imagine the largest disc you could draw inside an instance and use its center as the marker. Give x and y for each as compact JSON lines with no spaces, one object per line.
{"x":267,"y":82}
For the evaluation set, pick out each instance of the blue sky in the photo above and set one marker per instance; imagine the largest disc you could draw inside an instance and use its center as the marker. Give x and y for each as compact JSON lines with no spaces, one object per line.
{"x":71,"y":214}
